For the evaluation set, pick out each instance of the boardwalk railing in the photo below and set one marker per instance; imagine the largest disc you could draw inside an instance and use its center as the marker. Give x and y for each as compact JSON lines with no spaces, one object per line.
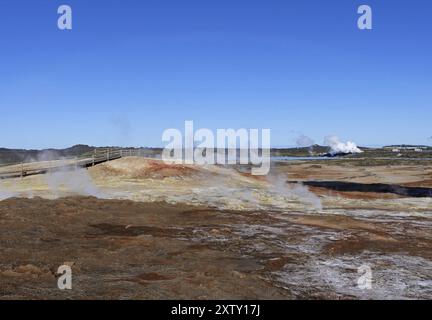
{"x":99,"y":156}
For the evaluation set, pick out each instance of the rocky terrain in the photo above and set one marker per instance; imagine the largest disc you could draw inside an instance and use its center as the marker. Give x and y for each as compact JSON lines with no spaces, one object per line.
{"x":138,"y":228}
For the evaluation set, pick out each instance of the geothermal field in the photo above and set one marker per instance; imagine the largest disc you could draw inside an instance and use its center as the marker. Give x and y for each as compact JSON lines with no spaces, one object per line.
{"x":139,"y":228}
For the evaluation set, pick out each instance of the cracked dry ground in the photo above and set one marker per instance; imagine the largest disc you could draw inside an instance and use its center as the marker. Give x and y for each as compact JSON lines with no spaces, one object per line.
{"x":121,"y":249}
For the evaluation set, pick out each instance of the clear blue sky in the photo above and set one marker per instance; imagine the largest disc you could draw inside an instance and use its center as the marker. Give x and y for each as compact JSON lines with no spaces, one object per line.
{"x":131,"y":68}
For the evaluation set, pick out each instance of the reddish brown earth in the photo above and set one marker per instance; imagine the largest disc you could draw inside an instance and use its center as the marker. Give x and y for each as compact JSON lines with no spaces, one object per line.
{"x":187,"y":247}
{"x":124,"y":249}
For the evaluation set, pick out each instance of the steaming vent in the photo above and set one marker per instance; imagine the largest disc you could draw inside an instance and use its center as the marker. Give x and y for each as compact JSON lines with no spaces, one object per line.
{"x":338,"y":148}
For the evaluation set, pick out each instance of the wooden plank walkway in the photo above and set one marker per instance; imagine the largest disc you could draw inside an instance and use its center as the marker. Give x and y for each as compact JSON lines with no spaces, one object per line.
{"x":41,"y":167}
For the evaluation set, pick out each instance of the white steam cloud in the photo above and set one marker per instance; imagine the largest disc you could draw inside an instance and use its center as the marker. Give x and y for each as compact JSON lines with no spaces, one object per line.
{"x":336,"y":146}
{"x":76,"y":181}
{"x":6,"y":194}
{"x":61,"y":181}
{"x":298,"y":191}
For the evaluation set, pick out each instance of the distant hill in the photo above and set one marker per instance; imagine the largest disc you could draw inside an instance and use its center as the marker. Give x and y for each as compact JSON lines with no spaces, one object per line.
{"x":10,"y":156}
{"x":407,"y":146}
{"x":18,"y":155}
{"x":22,"y":155}
{"x":314,"y":150}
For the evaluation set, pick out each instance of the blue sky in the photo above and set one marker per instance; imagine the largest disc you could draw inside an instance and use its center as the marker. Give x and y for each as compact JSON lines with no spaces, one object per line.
{"x":130,"y":69}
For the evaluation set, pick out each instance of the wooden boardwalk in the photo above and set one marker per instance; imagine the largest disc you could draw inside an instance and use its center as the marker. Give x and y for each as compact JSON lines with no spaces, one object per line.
{"x":31,"y":168}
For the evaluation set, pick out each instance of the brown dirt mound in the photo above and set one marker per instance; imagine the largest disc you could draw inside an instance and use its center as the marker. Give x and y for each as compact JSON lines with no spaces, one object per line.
{"x":141,"y":168}
{"x":159,"y":169}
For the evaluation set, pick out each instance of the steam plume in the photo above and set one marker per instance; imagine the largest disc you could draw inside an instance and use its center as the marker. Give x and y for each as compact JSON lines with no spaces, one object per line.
{"x":336,"y":146}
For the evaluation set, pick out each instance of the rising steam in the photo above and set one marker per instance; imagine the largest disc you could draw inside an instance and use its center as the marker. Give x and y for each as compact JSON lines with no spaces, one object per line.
{"x":61,"y":181}
{"x":336,"y":146}
{"x":278,"y":185}
{"x":5,"y":193}
{"x":76,"y":181}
